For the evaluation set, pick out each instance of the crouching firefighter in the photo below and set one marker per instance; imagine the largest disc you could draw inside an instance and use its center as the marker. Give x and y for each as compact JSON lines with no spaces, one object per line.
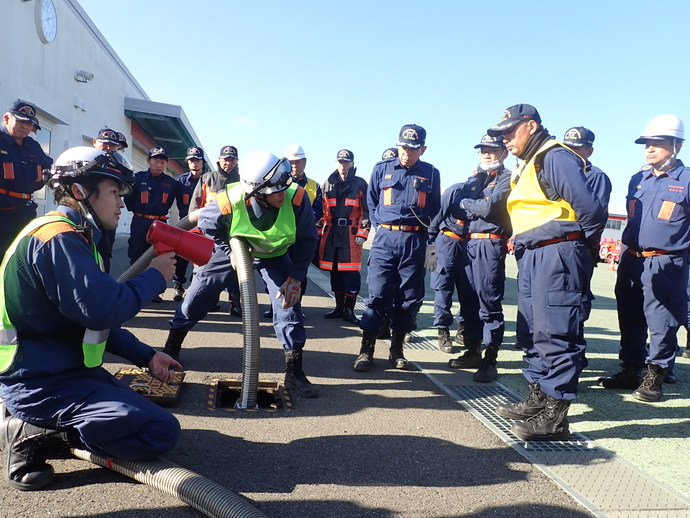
{"x":60,"y":312}
{"x":271,"y":214}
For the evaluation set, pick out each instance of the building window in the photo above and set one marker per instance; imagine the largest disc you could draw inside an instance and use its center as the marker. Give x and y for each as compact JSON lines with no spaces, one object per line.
{"x":614,"y":224}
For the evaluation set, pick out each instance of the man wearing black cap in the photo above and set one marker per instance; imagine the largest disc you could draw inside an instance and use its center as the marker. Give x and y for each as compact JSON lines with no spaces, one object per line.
{"x":581,"y":140}
{"x":483,"y":216}
{"x":122,"y":141}
{"x":107,"y":140}
{"x":205,"y":192}
{"x":151,"y":199}
{"x":344,"y":231}
{"x":404,"y":196}
{"x":556,"y":221}
{"x":22,"y":162}
{"x":186,"y":183}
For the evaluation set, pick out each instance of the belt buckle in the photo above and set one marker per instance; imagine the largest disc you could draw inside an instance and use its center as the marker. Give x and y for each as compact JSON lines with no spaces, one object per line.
{"x":342,"y":222}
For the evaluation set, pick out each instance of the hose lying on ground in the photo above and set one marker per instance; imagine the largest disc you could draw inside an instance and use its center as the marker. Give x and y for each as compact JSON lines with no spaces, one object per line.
{"x":202,"y":494}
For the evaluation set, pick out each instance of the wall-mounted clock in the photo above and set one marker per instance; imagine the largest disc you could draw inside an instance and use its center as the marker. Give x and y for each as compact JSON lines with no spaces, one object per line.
{"x":46,"y":20}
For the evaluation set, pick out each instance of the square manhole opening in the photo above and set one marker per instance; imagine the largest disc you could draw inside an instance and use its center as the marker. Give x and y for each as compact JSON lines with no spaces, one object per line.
{"x":271,"y":396}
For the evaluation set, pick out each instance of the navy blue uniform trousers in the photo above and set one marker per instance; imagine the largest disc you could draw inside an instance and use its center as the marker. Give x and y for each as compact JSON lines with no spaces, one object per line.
{"x":448,"y":278}
{"x":395,"y":279}
{"x":485,"y":270}
{"x":552,"y":283}
{"x":108,"y":417}
{"x":211,"y":279}
{"x":651,"y":294}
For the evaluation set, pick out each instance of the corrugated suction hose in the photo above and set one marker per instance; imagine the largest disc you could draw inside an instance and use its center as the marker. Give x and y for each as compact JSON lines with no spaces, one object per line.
{"x":201,"y":493}
{"x":243,"y":264}
{"x":196,"y":491}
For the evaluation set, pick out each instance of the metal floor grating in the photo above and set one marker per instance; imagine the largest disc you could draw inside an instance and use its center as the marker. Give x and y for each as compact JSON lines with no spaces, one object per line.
{"x":484,"y":399}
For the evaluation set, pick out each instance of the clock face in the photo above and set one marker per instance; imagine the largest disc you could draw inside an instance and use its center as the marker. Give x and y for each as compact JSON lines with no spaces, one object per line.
{"x":46,"y":20}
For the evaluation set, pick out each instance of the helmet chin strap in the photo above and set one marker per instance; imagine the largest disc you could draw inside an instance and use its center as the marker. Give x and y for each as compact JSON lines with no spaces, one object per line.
{"x":86,"y":209}
{"x":667,"y":164}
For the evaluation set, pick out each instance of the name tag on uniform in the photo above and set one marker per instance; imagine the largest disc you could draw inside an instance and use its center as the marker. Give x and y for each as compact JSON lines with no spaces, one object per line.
{"x":388,"y":176}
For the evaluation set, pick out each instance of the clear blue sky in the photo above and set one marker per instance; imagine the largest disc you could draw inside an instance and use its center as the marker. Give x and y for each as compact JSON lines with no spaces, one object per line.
{"x":332,"y":75}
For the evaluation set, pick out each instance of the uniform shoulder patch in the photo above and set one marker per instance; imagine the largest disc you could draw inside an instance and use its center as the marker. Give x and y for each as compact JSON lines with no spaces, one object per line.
{"x":297,"y":198}
{"x":50,"y":230}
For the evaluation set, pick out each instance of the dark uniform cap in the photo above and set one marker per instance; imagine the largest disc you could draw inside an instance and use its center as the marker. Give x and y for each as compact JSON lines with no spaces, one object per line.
{"x":228,"y":152}
{"x":489,"y":141}
{"x":346,"y":155}
{"x":512,"y":116}
{"x":108,"y":136}
{"x":578,"y":137}
{"x":157,"y":151}
{"x":195,"y":152}
{"x":122,"y":140}
{"x":389,"y":153}
{"x":411,"y":136}
{"x":24,"y":112}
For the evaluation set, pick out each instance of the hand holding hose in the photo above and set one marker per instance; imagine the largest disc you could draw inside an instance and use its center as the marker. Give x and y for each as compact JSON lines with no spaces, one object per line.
{"x":291,"y":291}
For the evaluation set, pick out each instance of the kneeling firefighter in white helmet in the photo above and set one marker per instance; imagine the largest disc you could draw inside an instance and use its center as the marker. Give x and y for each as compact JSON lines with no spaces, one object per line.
{"x":60,"y":312}
{"x":271,"y":213}
{"x":651,"y":285}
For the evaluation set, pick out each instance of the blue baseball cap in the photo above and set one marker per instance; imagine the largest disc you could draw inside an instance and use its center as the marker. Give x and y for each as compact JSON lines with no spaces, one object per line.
{"x":578,"y":136}
{"x":513,"y":116}
{"x":411,"y":136}
{"x":24,"y":112}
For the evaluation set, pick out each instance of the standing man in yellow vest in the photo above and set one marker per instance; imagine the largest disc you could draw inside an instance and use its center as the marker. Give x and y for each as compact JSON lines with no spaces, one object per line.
{"x":555,"y":219}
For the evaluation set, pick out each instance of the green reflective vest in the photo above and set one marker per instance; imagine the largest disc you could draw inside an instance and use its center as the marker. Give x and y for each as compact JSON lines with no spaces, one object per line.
{"x":265,"y":243}
{"x":93,"y":344}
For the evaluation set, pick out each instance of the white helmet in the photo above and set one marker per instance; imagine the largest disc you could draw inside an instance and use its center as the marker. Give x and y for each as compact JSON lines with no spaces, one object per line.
{"x":262,"y":172}
{"x":662,"y":127}
{"x":82,"y":161}
{"x":294,"y":152}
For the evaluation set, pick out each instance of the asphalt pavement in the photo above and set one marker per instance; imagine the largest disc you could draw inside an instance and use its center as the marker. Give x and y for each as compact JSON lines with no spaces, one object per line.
{"x":381,"y":444}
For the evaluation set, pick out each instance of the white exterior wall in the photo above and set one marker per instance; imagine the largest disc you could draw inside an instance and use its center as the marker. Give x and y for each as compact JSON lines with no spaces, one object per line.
{"x":43,"y":74}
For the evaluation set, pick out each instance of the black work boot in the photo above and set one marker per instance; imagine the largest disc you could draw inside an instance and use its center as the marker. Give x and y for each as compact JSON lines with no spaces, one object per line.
{"x":26,"y":449}
{"x":235,"y":309}
{"x":444,"y":343}
{"x":396,"y":356}
{"x":179,"y":292}
{"x":629,"y":378}
{"x":470,"y":359}
{"x":460,"y":335}
{"x":349,"y":310}
{"x":650,"y":389}
{"x":686,"y":352}
{"x":551,"y":424}
{"x":535,"y":402}
{"x":295,"y":379}
{"x":366,"y":352}
{"x":174,"y":343}
{"x":339,"y":306}
{"x":487,"y":370}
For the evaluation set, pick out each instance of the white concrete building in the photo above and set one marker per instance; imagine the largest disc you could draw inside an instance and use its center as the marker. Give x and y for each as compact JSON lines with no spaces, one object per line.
{"x":54,"y":57}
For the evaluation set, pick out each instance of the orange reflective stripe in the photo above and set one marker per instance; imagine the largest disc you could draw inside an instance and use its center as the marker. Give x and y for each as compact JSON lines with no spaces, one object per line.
{"x":165,"y":197}
{"x":39,"y":177}
{"x":49,"y":231}
{"x":332,"y":202}
{"x":144,"y":196}
{"x":362,"y":232}
{"x":8,"y":170}
{"x":351,"y":202}
{"x":297,"y":198}
{"x":326,"y":265}
{"x":422,"y":199}
{"x":224,"y":203}
{"x":349,"y":266}
{"x":388,"y":196}
{"x":185,"y":199}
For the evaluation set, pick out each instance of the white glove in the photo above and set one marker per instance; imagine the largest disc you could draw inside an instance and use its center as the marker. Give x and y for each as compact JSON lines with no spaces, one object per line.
{"x":359,"y":241}
{"x":431,"y":258}
{"x":291,"y":290}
